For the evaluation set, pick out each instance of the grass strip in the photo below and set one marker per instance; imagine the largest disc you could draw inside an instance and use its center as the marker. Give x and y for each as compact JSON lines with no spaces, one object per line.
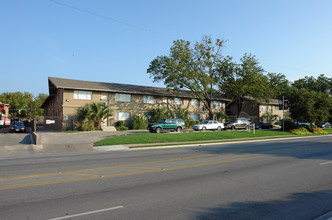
{"x":150,"y":138}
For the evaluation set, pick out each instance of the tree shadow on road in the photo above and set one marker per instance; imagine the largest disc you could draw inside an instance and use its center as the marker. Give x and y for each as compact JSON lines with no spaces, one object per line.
{"x":298,"y":148}
{"x":296,"y":206}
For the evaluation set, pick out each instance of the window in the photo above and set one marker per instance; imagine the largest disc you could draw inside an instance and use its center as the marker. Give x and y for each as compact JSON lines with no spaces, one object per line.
{"x":149,"y":99}
{"x":195,"y":117}
{"x":104,"y":97}
{"x":123,"y":116}
{"x":122,"y":97}
{"x":194,"y":102}
{"x":217,"y":105}
{"x":84,"y":95}
{"x":177,"y":101}
{"x":264,"y":108}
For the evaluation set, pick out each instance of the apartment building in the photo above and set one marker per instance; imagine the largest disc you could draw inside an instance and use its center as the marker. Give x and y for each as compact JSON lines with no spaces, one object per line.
{"x":255,"y":111}
{"x":66,"y":96}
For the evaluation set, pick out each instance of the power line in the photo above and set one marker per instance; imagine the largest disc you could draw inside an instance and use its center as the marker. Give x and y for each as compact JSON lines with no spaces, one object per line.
{"x":111,"y":19}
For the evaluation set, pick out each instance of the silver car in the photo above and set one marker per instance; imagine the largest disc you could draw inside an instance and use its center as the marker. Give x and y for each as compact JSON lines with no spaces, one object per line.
{"x":209,"y":125}
{"x":238,"y":123}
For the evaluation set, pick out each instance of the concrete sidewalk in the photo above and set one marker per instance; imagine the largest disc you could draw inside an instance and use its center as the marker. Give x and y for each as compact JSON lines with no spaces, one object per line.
{"x":60,"y":142}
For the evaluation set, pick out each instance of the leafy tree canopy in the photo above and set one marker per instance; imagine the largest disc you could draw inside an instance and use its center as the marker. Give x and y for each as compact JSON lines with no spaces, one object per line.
{"x":20,"y":103}
{"x":243,"y":80}
{"x":279,"y":85}
{"x":321,"y":84}
{"x":192,"y":67}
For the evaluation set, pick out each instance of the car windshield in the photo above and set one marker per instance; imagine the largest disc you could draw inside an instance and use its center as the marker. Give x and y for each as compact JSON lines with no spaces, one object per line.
{"x":233,"y":120}
{"x":18,"y":123}
{"x":205,"y":122}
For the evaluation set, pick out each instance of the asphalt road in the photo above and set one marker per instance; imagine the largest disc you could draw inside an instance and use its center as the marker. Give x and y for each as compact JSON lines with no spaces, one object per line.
{"x":284,"y":179}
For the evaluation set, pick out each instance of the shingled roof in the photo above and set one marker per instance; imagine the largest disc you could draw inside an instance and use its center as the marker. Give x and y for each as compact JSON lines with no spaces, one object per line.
{"x":61,"y":83}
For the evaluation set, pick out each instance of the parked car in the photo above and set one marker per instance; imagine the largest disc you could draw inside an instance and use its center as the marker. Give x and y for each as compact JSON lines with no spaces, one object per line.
{"x":304,"y":123}
{"x":263,"y":125}
{"x":167,"y":125}
{"x":209,"y":125}
{"x":324,"y":125}
{"x":40,"y":123}
{"x":238,"y":123}
{"x":17,"y":126}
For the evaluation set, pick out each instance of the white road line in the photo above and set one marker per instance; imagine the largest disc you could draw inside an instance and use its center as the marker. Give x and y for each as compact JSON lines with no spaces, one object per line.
{"x":87,"y":213}
{"x":325,"y":163}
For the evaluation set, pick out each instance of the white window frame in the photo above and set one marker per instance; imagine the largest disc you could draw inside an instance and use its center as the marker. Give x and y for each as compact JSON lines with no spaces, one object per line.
{"x":217,"y":104}
{"x":123,"y":116}
{"x":194,"y":102}
{"x":120,"y":97}
{"x":177,"y":101}
{"x":149,"y":99}
{"x":82,"y":95}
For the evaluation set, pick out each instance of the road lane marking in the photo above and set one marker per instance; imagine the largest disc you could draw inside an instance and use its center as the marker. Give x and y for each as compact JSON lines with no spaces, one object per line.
{"x":325,"y":163}
{"x":73,"y":172}
{"x":87,"y":213}
{"x":152,"y":170}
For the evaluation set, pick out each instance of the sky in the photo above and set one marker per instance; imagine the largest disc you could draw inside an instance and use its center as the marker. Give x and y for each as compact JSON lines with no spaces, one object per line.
{"x":115,"y":41}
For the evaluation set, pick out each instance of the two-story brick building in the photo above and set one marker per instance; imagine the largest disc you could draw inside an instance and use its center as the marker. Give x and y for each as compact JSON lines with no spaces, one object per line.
{"x":255,"y":111}
{"x":66,"y":96}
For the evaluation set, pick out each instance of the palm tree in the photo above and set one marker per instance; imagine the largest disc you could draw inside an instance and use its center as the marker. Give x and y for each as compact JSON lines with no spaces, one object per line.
{"x":97,"y":112}
{"x":269,"y":117}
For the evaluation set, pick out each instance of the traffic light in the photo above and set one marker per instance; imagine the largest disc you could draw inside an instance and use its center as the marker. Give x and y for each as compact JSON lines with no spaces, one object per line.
{"x":286,"y":104}
{"x":283,"y":106}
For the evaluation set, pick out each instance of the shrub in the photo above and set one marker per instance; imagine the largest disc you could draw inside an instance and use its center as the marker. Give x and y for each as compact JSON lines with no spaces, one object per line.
{"x":191,"y":123}
{"x":159,"y":113}
{"x":121,"y":128}
{"x":119,"y":123}
{"x":139,"y":121}
{"x":300,"y":131}
{"x":220,"y":116}
{"x":316,"y":130}
{"x":289,"y":125}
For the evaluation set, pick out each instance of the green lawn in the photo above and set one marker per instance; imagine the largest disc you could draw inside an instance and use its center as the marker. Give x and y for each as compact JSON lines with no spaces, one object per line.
{"x":148,"y":138}
{"x":328,"y":130}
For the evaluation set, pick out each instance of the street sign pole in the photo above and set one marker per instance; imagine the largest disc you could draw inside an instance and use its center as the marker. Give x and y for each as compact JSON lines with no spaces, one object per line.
{"x":283,"y":114}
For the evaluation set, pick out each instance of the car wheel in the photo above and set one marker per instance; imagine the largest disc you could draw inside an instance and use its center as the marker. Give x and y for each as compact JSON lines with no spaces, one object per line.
{"x":203,"y":128}
{"x":178,"y":129}
{"x":233,"y":127}
{"x":158,"y":130}
{"x":219,"y":128}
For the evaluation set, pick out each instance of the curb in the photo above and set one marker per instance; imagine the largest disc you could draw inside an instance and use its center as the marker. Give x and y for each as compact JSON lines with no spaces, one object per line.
{"x":111,"y":148}
{"x":146,"y":147}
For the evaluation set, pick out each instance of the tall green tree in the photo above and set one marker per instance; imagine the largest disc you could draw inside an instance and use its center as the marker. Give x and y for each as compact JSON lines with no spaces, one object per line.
{"x":308,"y":105}
{"x":21,"y":103}
{"x":190,"y":66}
{"x":279,"y":85}
{"x":321,"y":84}
{"x":246,"y":79}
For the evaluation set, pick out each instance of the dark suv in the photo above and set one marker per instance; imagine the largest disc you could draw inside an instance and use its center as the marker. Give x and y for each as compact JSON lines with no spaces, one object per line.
{"x":238,"y":123}
{"x":167,"y":125}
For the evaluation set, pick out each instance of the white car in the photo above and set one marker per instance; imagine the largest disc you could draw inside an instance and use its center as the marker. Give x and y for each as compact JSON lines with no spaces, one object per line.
{"x":209,"y":125}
